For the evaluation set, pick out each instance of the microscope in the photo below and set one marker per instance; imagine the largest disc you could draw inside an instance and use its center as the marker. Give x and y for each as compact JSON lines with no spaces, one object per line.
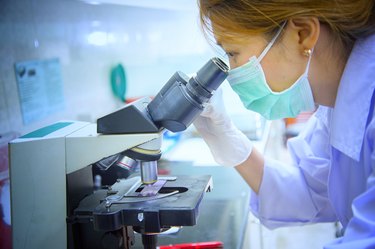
{"x":54,"y":201}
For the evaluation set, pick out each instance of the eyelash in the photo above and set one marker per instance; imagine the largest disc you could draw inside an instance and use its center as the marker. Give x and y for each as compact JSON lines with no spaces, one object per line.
{"x":230,"y":54}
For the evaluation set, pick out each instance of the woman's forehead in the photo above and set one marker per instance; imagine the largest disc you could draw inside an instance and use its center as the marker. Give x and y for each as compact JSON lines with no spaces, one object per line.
{"x":240,"y":39}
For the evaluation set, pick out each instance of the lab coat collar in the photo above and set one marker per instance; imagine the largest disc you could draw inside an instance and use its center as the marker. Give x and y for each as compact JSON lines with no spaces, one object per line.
{"x":353,"y":101}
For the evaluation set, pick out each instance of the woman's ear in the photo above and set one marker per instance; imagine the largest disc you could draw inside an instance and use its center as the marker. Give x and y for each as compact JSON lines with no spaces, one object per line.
{"x":305,"y":31}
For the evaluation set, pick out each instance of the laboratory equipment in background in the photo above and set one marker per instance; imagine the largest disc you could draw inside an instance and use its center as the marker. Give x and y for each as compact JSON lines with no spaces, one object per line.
{"x":54,"y":204}
{"x":118,"y":82}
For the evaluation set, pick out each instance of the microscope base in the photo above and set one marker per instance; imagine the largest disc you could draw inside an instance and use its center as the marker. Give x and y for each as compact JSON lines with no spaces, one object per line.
{"x":176,"y":204}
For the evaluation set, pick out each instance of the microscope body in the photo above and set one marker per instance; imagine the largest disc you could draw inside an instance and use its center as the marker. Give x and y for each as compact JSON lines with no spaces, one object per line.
{"x":53,"y":202}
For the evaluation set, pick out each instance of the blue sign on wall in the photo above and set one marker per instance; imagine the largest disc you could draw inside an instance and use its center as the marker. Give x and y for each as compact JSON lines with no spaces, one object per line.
{"x":40,"y":88}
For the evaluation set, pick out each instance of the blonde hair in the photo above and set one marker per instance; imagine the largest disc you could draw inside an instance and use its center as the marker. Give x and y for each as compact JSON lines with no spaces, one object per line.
{"x":229,"y":20}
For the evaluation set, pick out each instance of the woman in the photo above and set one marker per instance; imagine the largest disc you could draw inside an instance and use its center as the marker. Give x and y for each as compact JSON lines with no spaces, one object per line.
{"x":292,"y":56}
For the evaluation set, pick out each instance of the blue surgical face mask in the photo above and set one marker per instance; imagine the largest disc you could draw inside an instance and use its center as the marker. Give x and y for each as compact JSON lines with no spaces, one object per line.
{"x":249,"y":82}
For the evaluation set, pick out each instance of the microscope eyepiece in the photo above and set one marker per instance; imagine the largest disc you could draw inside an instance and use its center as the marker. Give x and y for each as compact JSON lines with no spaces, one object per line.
{"x":210,"y":76}
{"x":181,"y":99}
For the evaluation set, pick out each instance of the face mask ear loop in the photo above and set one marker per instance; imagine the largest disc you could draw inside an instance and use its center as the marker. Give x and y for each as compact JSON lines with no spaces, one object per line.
{"x":272,"y":42}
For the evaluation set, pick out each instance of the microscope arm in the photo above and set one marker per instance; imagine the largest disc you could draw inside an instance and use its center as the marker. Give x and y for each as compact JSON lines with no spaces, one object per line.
{"x":86,"y":146}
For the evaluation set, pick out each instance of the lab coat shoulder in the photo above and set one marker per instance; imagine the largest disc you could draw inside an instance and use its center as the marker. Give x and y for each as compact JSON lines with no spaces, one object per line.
{"x":360,"y":231}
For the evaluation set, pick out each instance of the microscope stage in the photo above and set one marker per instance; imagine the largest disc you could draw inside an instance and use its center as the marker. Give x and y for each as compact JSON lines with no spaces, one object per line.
{"x":176,"y":204}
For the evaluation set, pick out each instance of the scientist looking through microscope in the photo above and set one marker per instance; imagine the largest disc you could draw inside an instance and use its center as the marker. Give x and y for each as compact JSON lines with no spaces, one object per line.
{"x":292,"y":56}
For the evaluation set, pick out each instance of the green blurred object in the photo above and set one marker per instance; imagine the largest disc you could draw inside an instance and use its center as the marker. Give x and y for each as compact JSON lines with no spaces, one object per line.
{"x":118,"y":82}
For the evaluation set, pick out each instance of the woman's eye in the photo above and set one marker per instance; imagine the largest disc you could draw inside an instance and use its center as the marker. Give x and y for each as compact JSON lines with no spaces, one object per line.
{"x":230,"y":54}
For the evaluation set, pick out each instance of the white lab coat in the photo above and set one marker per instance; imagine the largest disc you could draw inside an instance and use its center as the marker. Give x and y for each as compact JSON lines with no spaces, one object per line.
{"x":333,"y":175}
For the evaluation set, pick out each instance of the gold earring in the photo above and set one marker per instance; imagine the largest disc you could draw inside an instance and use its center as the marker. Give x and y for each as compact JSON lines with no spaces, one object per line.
{"x":307,"y":52}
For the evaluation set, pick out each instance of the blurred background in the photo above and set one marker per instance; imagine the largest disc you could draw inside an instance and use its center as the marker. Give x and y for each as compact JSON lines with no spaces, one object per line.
{"x":78,"y":43}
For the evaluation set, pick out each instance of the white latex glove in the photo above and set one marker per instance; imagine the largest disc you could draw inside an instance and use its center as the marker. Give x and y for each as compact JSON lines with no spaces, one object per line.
{"x":228,"y":145}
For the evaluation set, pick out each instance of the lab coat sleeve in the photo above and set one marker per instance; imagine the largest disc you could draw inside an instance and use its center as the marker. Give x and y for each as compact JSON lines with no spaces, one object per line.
{"x":297,"y":194}
{"x":360,"y":232}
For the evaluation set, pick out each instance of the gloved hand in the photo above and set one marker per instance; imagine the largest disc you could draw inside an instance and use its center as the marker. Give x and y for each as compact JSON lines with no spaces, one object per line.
{"x":228,"y":145}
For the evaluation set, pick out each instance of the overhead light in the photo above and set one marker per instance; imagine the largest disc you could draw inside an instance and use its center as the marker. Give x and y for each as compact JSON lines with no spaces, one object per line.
{"x":92,"y":2}
{"x":97,"y":38}
{"x":161,"y":4}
